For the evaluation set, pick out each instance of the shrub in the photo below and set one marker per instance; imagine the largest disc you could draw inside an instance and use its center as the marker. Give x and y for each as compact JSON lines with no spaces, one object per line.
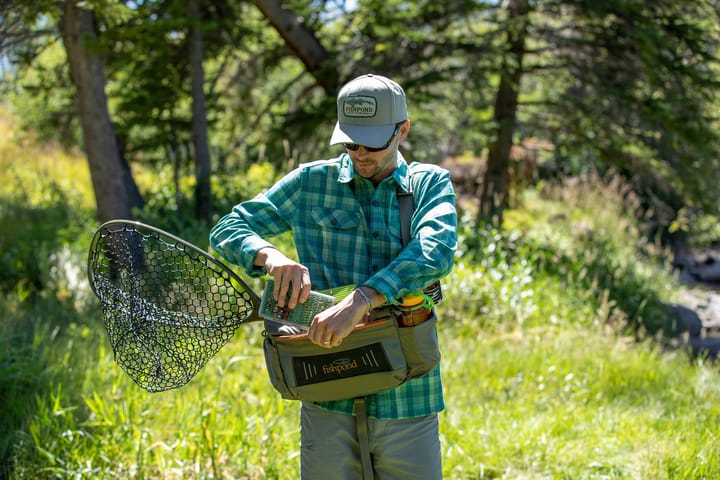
{"x":579,"y":240}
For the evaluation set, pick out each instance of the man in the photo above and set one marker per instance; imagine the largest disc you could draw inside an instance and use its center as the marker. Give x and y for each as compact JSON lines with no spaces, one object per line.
{"x":344,"y":215}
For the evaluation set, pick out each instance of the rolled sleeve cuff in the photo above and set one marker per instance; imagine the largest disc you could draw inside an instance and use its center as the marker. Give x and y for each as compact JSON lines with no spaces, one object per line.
{"x":250,"y":248}
{"x":388,"y":284}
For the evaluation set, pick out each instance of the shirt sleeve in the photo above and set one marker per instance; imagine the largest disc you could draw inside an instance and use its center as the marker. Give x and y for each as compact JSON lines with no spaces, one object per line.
{"x":240,"y":235}
{"x":430,"y":254}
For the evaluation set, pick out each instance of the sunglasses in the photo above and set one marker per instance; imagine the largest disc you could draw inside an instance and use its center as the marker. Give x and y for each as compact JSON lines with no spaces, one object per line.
{"x":356,"y":146}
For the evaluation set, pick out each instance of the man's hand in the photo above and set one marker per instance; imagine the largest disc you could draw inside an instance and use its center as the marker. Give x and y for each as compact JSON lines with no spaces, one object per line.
{"x":289,"y":276}
{"x":330,"y":327}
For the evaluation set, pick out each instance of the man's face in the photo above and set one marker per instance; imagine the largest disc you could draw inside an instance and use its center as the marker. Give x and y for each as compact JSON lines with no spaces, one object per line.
{"x":376,"y":166}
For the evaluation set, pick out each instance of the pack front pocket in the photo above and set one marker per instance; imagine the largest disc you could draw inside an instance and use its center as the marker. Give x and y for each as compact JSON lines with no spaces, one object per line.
{"x":420,"y":346}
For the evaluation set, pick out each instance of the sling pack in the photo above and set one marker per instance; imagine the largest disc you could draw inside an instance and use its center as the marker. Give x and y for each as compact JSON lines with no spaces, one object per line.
{"x":377,"y":355}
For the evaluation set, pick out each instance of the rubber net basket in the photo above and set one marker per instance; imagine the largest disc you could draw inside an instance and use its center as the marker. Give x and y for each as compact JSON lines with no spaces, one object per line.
{"x":168,"y":307}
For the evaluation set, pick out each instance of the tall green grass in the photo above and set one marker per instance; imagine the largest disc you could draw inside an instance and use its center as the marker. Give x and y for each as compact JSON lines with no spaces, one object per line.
{"x":550,"y":331}
{"x":222,"y":425}
{"x":576,"y":403}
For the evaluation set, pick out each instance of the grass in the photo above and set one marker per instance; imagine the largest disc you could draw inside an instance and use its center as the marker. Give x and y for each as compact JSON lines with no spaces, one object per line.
{"x":577,"y":404}
{"x":223,"y":425}
{"x":549,"y":370}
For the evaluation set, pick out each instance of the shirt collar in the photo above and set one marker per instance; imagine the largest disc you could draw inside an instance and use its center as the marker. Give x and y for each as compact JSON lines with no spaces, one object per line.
{"x":401,"y":174}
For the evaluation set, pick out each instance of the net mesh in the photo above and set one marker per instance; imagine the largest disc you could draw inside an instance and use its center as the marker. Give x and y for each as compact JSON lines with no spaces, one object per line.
{"x":168,"y":307}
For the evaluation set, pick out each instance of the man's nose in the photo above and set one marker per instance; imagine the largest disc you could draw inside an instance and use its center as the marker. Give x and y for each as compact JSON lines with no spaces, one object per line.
{"x":362,"y":152}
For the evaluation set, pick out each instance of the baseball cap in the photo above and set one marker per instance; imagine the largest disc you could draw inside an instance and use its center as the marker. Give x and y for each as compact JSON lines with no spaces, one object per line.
{"x":368,"y":109}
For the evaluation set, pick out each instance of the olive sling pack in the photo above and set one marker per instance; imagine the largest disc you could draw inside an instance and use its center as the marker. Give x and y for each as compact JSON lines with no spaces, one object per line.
{"x":377,"y":355}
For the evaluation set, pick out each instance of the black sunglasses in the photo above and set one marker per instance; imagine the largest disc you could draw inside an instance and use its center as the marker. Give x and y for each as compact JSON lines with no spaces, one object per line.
{"x":355,"y":146}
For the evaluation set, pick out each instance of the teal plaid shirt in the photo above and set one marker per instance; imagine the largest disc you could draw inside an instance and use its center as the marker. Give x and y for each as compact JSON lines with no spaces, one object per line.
{"x":347,"y":231}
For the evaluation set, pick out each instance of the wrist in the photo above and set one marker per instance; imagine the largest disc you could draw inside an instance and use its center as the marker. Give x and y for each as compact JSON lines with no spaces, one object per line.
{"x":370,"y":297}
{"x":262,"y":256}
{"x":364,"y":299}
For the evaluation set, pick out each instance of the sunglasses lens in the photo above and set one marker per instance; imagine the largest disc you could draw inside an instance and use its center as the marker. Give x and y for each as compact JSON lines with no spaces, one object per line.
{"x":355,"y":146}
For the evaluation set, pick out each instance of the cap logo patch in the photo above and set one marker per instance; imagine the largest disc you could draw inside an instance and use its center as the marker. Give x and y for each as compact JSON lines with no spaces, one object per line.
{"x":360,"y":106}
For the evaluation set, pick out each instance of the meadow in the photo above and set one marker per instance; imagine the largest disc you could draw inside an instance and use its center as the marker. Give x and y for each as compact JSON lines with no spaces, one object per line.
{"x":555,"y":339}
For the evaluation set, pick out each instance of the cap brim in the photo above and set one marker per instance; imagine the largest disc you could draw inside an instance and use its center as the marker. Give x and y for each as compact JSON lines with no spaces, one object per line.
{"x":371,"y":136}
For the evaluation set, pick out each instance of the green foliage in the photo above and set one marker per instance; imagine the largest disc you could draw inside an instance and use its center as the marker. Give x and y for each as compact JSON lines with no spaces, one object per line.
{"x":41,"y":339}
{"x":580,"y":238}
{"x":35,"y":231}
{"x":44,"y":101}
{"x":699,"y":230}
{"x":626,"y":83}
{"x":654,"y":93}
{"x":242,"y":185}
{"x":107,"y":427}
{"x":540,"y":377}
{"x":170,"y":206}
{"x":573,"y":402}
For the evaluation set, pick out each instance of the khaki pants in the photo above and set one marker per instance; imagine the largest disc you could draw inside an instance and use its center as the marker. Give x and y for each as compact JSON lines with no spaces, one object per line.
{"x":401,"y":449}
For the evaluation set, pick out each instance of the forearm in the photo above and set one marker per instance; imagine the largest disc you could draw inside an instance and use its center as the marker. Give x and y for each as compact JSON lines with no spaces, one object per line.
{"x":430,"y":253}
{"x":240,"y":235}
{"x":418,"y":265}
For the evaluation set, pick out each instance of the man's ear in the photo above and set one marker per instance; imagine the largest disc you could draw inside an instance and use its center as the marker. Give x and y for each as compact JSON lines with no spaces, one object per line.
{"x":404,"y":130}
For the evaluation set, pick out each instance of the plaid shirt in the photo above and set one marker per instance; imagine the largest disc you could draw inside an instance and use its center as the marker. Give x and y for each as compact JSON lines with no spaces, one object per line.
{"x":347,"y":231}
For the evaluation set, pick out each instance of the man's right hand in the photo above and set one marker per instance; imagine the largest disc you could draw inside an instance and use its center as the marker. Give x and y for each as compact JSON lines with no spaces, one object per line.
{"x":288,"y":274}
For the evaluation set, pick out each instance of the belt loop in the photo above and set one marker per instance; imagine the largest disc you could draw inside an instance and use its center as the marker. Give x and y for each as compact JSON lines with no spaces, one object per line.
{"x":361,"y":421}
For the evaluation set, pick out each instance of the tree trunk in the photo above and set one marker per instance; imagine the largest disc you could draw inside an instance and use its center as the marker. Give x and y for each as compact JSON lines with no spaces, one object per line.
{"x":302,"y":42}
{"x":203,"y":195}
{"x":494,"y":193}
{"x":115,"y":190}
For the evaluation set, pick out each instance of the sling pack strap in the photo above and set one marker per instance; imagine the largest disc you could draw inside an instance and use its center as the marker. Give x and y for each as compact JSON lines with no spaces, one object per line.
{"x":363,"y":438}
{"x":405,"y":199}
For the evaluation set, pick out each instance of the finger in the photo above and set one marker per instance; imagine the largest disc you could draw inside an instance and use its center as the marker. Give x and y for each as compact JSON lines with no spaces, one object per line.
{"x":296,"y":290}
{"x":325,"y":342}
{"x":282,"y":290}
{"x":330,"y":341}
{"x":313,"y":331}
{"x":306,"y":287}
{"x":301,"y":287}
{"x":276,"y":289}
{"x":318,"y":333}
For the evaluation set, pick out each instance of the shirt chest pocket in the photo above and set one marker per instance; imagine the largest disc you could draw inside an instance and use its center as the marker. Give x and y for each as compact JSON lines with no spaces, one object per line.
{"x":346,"y":228}
{"x":342,"y":221}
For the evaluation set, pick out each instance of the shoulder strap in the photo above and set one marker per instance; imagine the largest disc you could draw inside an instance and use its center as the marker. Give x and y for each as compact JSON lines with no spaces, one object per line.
{"x":407,"y":207}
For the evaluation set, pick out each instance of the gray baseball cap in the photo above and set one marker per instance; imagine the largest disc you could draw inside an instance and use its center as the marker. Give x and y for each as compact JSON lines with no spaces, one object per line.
{"x":368,"y":109}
